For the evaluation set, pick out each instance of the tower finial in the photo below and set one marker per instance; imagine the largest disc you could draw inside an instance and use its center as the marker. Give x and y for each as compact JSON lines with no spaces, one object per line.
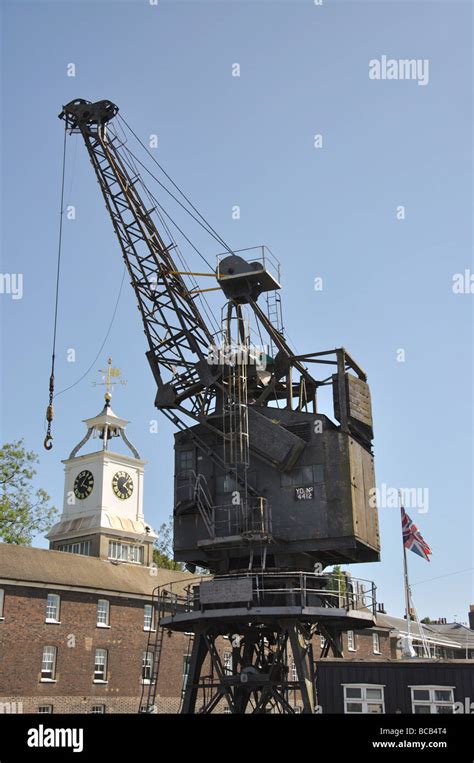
{"x":110,"y":377}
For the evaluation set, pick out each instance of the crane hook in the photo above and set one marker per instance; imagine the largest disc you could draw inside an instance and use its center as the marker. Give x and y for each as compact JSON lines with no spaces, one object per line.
{"x":48,"y":440}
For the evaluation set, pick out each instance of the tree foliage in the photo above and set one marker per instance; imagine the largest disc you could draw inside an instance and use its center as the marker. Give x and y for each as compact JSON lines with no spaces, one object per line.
{"x":24,"y":511}
{"x":338,"y":580}
{"x":163,"y":548}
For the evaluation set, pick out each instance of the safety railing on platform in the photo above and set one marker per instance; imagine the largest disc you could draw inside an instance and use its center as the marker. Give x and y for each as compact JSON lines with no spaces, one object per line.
{"x":299,"y":588}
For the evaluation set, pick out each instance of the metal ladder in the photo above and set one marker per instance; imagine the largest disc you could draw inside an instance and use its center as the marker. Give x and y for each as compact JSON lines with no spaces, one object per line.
{"x":186,"y":677}
{"x":203,"y":501}
{"x":156,"y":648}
{"x":274,"y":313}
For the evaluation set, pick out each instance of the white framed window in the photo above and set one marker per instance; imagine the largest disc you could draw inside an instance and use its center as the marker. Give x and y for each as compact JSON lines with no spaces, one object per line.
{"x":43,"y":709}
{"x":100,"y":666}
{"x":98,"y":709}
{"x":135,"y":554}
{"x":83,"y":548}
{"x":293,"y":672}
{"x":376,"y":643}
{"x":125,"y":552}
{"x":148,"y":618}
{"x":103,"y":613}
{"x":351,"y":641}
{"x":432,"y":699}
{"x":48,"y":663}
{"x":363,"y":698}
{"x":227,"y":663}
{"x":2,"y":601}
{"x":52,"y":608}
{"x":118,"y":551}
{"x":186,"y":664}
{"x":147,"y":667}
{"x":322,"y":641}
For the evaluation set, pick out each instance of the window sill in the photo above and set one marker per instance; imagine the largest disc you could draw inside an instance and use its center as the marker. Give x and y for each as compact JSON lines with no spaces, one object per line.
{"x":52,"y":622}
{"x":351,"y":650}
{"x":146,"y":681}
{"x":150,"y":630}
{"x":100,"y":681}
{"x":377,"y":652}
{"x":102,"y":625}
{"x":48,"y":680}
{"x":2,"y":619}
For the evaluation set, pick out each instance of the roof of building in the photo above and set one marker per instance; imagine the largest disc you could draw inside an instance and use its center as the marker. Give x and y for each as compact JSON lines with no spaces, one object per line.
{"x":453,"y":635}
{"x":100,"y":521}
{"x":26,"y":565}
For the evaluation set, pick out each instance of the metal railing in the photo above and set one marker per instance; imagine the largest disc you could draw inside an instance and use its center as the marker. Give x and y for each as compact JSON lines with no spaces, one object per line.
{"x":250,"y":518}
{"x":302,"y":589}
{"x":263,"y":255}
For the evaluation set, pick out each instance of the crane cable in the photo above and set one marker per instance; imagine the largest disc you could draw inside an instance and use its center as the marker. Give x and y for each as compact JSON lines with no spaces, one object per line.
{"x":107,"y":333}
{"x":48,"y":440}
{"x":207,"y":226}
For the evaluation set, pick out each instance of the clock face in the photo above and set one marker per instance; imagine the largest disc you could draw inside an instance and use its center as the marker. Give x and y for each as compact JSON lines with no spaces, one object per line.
{"x":83,"y":484}
{"x":122,"y":485}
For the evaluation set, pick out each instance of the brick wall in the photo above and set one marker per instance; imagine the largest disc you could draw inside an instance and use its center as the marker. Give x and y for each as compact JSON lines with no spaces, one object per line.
{"x":364,"y":648}
{"x":23,"y":633}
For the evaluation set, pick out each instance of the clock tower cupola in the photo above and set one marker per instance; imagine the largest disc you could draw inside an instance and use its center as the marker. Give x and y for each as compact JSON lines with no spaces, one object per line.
{"x":103,"y":494}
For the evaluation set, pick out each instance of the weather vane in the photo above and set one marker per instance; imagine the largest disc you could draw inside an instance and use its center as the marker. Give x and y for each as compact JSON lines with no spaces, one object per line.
{"x":110,"y":377}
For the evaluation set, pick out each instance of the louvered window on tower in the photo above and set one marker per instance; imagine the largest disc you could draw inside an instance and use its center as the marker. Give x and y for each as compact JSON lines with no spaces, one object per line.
{"x":125,"y":552}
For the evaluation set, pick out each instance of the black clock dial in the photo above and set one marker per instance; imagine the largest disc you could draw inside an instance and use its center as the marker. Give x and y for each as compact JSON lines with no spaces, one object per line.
{"x":122,"y":485}
{"x":83,"y":484}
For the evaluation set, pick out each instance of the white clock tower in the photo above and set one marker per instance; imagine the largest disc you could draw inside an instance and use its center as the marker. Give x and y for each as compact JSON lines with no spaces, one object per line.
{"x":103,"y":497}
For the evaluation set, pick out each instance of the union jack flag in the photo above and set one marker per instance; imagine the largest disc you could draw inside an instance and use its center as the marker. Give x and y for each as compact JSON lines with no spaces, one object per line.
{"x":413,"y":539}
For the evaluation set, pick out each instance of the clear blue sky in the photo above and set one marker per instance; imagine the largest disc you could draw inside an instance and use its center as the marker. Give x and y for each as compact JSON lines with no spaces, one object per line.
{"x":328,"y":212}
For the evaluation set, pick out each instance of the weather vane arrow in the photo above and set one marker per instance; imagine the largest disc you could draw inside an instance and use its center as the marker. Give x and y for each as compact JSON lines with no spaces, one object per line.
{"x":110,"y":377}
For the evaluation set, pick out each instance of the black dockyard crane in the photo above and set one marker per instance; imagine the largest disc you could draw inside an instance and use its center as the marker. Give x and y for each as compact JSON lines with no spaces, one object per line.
{"x":268,"y":489}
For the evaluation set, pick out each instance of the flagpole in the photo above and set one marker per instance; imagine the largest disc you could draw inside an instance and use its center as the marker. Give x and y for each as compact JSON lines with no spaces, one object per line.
{"x":405,"y":571}
{"x":408,"y":599}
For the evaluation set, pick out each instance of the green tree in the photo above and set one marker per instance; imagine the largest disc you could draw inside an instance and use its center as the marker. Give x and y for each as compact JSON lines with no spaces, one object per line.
{"x":163,"y":549}
{"x":24,"y":512}
{"x":338,"y":580}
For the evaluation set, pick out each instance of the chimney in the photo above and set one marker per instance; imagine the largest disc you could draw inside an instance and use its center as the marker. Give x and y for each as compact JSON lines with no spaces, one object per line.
{"x":471,"y":617}
{"x":381,"y":608}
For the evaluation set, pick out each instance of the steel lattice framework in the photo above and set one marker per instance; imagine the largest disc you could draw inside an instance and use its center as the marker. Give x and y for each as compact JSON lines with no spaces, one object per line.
{"x":177,"y":335}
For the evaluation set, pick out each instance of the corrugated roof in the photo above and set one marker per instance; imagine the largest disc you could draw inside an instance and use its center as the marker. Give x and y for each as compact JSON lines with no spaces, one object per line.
{"x":38,"y":565}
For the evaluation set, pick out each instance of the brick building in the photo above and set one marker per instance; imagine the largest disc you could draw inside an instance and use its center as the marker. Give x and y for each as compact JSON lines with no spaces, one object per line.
{"x":75,"y":620}
{"x":74,"y":632}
